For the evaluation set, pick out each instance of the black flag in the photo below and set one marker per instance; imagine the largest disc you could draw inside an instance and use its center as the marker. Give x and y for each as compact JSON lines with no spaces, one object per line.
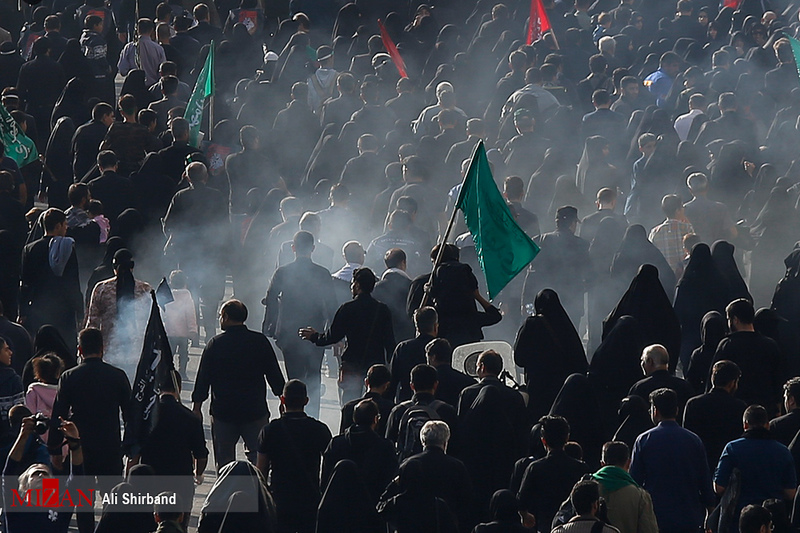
{"x":155,"y":366}
{"x":164,"y":293}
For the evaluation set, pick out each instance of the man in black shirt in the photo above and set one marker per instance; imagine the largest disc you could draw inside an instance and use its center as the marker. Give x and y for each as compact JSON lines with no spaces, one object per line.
{"x":87,"y":139}
{"x":115,"y":191}
{"x":367,"y":324}
{"x":439,"y":355}
{"x":291,"y":448}
{"x":95,"y":393}
{"x":655,"y":364}
{"x":411,"y":353}
{"x":234,"y":365}
{"x":784,"y":428}
{"x":377,"y":382}
{"x":176,"y":445}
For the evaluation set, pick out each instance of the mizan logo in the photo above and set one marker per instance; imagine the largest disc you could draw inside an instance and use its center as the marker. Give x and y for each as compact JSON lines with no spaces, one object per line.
{"x":50,"y":497}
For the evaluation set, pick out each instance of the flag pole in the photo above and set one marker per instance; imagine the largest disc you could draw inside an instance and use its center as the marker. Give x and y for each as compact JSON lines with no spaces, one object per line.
{"x":210,"y":117}
{"x":555,"y":38}
{"x":443,"y":242}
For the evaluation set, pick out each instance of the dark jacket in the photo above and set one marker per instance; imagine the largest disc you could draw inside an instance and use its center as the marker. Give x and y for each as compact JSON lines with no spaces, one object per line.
{"x":393,"y":291}
{"x":445,"y":411}
{"x":176,"y":440}
{"x":234,"y":365}
{"x":367,"y":324}
{"x":384,"y":407}
{"x":784,"y":428}
{"x":114,"y":191}
{"x":663,"y":379}
{"x":451,"y":383}
{"x":715,"y":417}
{"x":85,"y":147}
{"x":407,"y":355}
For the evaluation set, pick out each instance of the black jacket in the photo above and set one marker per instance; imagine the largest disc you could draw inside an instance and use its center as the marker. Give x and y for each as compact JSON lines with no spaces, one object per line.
{"x":234,"y":365}
{"x":445,"y":411}
{"x":784,"y":428}
{"x":384,"y":407}
{"x":663,"y":379}
{"x":715,"y":417}
{"x":407,"y":355}
{"x":115,"y":191}
{"x":367,"y":324}
{"x":451,"y":383}
{"x":177,"y":439}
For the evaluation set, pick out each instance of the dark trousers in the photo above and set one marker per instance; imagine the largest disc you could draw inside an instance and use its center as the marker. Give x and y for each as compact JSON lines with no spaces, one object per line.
{"x":227,"y":434}
{"x":351,"y":383}
{"x":108,"y":467}
{"x":303,"y":361}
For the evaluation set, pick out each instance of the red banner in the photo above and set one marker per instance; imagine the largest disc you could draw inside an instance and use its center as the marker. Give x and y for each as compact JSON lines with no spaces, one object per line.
{"x":538,"y":24}
{"x":392,"y":50}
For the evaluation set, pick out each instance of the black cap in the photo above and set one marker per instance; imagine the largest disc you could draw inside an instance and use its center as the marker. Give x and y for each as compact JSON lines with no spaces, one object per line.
{"x":567,"y":213}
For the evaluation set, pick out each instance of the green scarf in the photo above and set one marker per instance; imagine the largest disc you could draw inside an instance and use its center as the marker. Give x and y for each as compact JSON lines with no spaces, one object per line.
{"x":613,"y":478}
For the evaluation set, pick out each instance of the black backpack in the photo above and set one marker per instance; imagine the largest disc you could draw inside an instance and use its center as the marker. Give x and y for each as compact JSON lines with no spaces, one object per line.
{"x":408,"y":436}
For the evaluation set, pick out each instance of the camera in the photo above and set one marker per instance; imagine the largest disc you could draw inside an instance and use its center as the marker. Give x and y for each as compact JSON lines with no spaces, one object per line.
{"x":42,"y":423}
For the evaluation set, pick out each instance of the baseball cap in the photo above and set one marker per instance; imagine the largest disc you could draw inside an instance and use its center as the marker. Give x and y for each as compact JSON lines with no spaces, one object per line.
{"x":566,"y":213}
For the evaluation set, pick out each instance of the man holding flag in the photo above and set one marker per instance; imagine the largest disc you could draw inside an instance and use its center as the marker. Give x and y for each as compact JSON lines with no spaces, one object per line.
{"x":203,"y":89}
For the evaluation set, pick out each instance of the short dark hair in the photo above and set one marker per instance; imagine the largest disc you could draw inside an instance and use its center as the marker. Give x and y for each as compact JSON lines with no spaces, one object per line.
{"x":52,"y":22}
{"x":792,"y":388}
{"x":365,"y":279}
{"x":235,"y":310}
{"x":598,"y":64}
{"x":145,"y":26}
{"x":753,"y":518}
{"x":416,"y":166}
{"x":365,"y":412}
{"x":671,"y":204}
{"x":378,"y":375}
{"x":741,"y":309}
{"x":584,"y":495}
{"x":450,"y":253}
{"x":665,"y":401}
{"x":101,"y":110}
{"x":425,"y":318}
{"x":127,"y":104}
{"x":394,"y":258}
{"x":407,"y":204}
{"x":303,"y":242}
{"x":514,"y":186}
{"x":200,"y":12}
{"x":52,"y":218}
{"x":616,"y":453}
{"x":248,"y":135}
{"x":90,"y":341}
{"x":606,"y":195}
{"x":424,"y":377}
{"x":179,"y":127}
{"x":147,"y":117}
{"x":492,"y":362}
{"x":106,"y":159}
{"x":77,"y":192}
{"x":91,"y":21}
{"x":439,"y":350}
{"x":47,"y":368}
{"x":168,"y":511}
{"x":295,"y":393}
{"x":400,"y":220}
{"x":555,"y":430}
{"x":725,"y":372}
{"x":601,"y":97}
{"x":755,"y":416}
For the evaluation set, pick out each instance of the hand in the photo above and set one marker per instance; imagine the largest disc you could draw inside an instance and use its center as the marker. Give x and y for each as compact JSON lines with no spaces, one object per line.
{"x":21,"y":320}
{"x":528,"y":520}
{"x":69,"y":429}
{"x":307,"y":333}
{"x":198,"y":479}
{"x":198,"y":413}
{"x":749,"y":167}
{"x":28,"y":425}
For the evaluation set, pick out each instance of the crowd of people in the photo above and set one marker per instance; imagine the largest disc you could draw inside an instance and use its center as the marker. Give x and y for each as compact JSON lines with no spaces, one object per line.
{"x":647,"y":146}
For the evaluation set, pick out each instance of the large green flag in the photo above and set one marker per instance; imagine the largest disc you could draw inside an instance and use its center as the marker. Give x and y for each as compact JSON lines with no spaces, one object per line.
{"x":504,"y":250}
{"x":795,"y":51}
{"x":19,"y":146}
{"x":203,"y":88}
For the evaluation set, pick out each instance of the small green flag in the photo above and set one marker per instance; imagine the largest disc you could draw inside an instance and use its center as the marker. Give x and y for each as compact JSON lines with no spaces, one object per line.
{"x":19,"y":146}
{"x":503,"y":248}
{"x":203,"y":88}
{"x":795,"y":51}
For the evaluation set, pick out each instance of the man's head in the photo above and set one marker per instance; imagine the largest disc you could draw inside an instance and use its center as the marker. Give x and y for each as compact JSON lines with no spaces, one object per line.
{"x":435,"y":434}
{"x":7,"y":181}
{"x":629,"y":87}
{"x":353,"y":252}
{"x":607,"y":45}
{"x":363,"y":281}
{"x":295,"y":395}
{"x":755,"y":519}
{"x":438,"y":352}
{"x":414,"y":169}
{"x":107,"y":160}
{"x":476,"y":128}
{"x":727,"y":103}
{"x":755,"y":417}
{"x":300,"y":91}
{"x":201,"y":13}
{"x":424,"y":378}
{"x":179,"y":127}
{"x":670,"y":64}
{"x":598,"y":64}
{"x":291,"y":207}
{"x":400,"y":221}
{"x":55,"y":222}
{"x":303,"y":244}
{"x":791,"y":394}
{"x":524,"y":122}
{"x":368,"y":143}
{"x":725,"y":375}
{"x":78,"y":195}
{"x":395,"y":258}
{"x":378,"y":378}
{"x":90,"y":343}
{"x":616,"y":453}
{"x":647,"y":144}
{"x":149,"y":119}
{"x":740,"y":315}
{"x":672,"y":206}
{"x":698,"y":101}
{"x":654,"y":357}
{"x":103,"y":113}
{"x":426,"y":320}
{"x":172,"y":384}
{"x":606,"y":198}
{"x":196,"y":172}
{"x":514,"y":189}
{"x":93,"y":23}
{"x":167,"y":511}
{"x":697,"y":183}
{"x":366,"y":414}
{"x":127,"y":107}
{"x":52,"y":23}
{"x":145,"y":27}
{"x":555,"y":432}
{"x":567,"y":218}
{"x":232,"y":313}
{"x":517,"y":60}
{"x":490,"y":364}
{"x":585,"y":497}
{"x":41,"y":47}
{"x":663,"y":405}
{"x":721,"y":59}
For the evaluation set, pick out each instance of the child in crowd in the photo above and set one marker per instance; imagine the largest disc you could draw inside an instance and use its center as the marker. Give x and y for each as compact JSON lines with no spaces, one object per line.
{"x":180,"y":319}
{"x":95,"y":210}
{"x":41,"y":393}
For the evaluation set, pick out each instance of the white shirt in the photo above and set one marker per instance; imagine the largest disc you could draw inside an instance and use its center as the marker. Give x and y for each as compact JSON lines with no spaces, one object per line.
{"x":684,"y":123}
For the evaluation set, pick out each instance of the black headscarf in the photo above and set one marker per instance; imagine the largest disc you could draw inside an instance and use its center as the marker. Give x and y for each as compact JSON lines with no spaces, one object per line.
{"x":578,"y":403}
{"x":237,"y":480}
{"x":58,"y":157}
{"x":786,"y":300}
{"x":126,"y":284}
{"x":48,"y":340}
{"x":722,"y":254}
{"x":73,"y":103}
{"x":74,"y":63}
{"x":615,"y":365}
{"x":345,"y":504}
{"x":713,"y":328}
{"x":646,"y":301}
{"x":700,"y":290}
{"x":135,"y":85}
{"x":636,"y":250}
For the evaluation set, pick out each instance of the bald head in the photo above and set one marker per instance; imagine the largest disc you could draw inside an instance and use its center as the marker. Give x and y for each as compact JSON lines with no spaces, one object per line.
{"x":197,"y":172}
{"x":654,"y":357}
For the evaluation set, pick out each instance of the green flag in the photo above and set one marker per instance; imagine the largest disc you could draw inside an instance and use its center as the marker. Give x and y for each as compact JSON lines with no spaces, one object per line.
{"x":19,"y":146}
{"x":203,"y":88}
{"x":795,"y":51}
{"x":504,"y":250}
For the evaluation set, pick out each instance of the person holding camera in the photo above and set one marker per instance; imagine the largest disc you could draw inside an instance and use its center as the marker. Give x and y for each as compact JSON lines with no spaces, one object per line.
{"x":49,"y":520}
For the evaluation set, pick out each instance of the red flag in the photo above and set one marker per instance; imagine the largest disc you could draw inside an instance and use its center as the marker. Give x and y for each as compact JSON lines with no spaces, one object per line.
{"x":392,"y":49}
{"x":732,"y":3}
{"x":538,"y":24}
